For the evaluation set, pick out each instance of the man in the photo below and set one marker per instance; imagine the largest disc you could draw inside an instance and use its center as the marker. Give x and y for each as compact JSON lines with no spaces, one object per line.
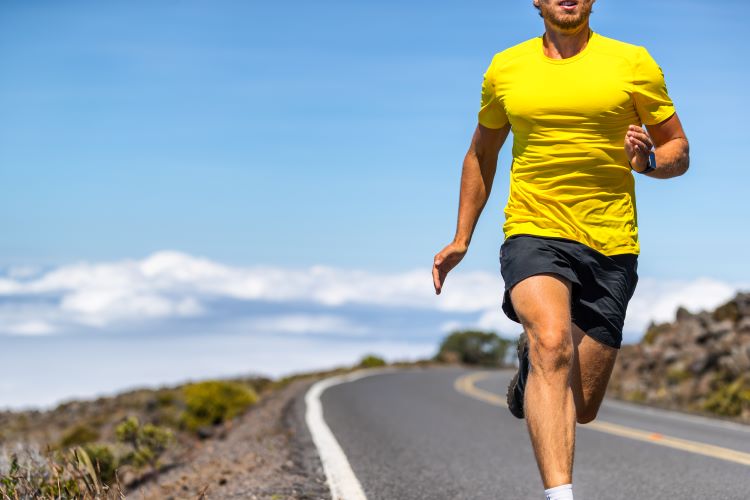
{"x":576,"y":102}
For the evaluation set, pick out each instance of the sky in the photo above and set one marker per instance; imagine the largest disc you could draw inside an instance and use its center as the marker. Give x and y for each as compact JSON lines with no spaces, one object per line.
{"x":269,"y":182}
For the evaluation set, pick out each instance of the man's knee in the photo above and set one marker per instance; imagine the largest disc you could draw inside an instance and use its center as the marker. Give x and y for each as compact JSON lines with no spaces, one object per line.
{"x":551,"y":349}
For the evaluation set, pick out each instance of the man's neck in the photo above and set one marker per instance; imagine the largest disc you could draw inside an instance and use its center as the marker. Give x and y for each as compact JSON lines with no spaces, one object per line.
{"x":564,"y":44}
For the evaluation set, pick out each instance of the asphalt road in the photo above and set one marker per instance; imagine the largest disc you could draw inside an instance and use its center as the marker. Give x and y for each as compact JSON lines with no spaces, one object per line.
{"x":414,"y":435}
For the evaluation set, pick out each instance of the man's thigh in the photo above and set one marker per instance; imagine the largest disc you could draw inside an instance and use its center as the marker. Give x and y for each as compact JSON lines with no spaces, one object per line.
{"x":542,"y":303}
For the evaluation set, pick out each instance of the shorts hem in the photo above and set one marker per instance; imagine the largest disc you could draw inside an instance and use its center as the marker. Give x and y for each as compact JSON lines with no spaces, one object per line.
{"x":507,"y":305}
{"x":570,"y":276}
{"x":603,"y":335}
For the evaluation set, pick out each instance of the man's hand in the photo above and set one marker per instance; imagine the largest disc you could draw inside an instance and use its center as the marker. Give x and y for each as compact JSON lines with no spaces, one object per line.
{"x":638,"y":145}
{"x":447,"y":259}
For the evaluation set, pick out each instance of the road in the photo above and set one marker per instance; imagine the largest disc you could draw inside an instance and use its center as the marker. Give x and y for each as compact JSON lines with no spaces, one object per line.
{"x":444,"y":434}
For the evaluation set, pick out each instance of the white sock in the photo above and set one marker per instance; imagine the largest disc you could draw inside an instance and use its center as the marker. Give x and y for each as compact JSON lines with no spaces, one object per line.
{"x":564,"y":492}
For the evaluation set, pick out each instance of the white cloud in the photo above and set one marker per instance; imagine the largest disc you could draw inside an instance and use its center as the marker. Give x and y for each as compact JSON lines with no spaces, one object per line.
{"x":31,"y":327}
{"x":23,"y":271}
{"x":306,"y":323}
{"x":658,"y":301}
{"x":495,"y":319}
{"x":169,"y":285}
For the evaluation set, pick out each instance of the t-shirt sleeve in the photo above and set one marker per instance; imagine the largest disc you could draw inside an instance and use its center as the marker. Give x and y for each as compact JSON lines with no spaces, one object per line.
{"x":491,"y":113}
{"x":652,"y":102}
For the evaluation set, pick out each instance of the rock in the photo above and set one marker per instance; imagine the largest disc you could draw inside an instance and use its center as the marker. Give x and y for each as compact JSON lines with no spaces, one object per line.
{"x":699,"y":363}
{"x":705,"y":383}
{"x":205,"y":432}
{"x":743,"y":304}
{"x":721,"y":328}
{"x":683,"y":315}
{"x":743,"y":325}
{"x":680,"y":364}
{"x":670,"y":355}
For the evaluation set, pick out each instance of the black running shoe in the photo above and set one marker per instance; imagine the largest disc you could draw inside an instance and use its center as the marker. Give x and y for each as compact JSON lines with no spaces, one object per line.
{"x":518,"y":384}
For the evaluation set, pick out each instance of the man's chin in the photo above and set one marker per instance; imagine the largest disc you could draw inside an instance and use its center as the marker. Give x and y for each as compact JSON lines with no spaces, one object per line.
{"x":568,"y":22}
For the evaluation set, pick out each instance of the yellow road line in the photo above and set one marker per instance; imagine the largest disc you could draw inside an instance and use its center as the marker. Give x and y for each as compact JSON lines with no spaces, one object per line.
{"x":466,"y":385}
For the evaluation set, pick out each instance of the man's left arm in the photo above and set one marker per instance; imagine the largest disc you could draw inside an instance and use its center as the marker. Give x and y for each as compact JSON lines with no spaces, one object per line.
{"x":672,"y":148}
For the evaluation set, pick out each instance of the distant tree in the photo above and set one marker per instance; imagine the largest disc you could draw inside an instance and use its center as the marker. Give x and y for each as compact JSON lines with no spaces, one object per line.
{"x":474,"y":347}
{"x":371,"y":361}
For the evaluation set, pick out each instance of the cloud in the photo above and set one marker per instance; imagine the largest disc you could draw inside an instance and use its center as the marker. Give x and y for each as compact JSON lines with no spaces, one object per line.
{"x":307,"y":323}
{"x":31,"y":327}
{"x":658,"y":300}
{"x":172,"y":286}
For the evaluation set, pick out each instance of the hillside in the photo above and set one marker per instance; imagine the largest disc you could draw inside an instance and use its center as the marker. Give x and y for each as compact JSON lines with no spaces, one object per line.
{"x":197,"y":440}
{"x":699,"y":363}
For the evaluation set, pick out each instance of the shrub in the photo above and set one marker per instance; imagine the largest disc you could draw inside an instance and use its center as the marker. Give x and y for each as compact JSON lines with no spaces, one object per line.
{"x":371,"y":361}
{"x":730,"y":399}
{"x":475,"y":348}
{"x":148,"y":442}
{"x":729,"y":311}
{"x":104,"y":461}
{"x":166,"y":398}
{"x":677,"y":375}
{"x":79,"y":434}
{"x":213,"y":402}
{"x":68,"y":474}
{"x":636,"y":396}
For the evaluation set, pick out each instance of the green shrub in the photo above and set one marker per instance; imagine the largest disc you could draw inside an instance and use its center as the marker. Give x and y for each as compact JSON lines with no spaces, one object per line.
{"x":474,"y":348}
{"x":636,"y":396}
{"x":729,"y":311}
{"x":213,"y":402}
{"x":104,"y":461}
{"x":166,"y":398}
{"x":60,"y":475}
{"x":371,"y":361}
{"x":677,"y":375}
{"x":730,"y":399}
{"x":79,"y":434}
{"x":148,"y":442}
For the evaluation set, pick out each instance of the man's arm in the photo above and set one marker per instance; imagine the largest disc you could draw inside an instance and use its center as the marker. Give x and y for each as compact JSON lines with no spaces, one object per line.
{"x":672,"y":148}
{"x":478,"y":173}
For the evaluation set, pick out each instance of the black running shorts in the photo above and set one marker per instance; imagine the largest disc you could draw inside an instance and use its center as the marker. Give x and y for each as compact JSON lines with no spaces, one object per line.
{"x":602,"y":285}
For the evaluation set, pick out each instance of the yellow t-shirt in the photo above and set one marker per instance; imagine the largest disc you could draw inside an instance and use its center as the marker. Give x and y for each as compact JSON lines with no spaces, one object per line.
{"x":570,"y":176}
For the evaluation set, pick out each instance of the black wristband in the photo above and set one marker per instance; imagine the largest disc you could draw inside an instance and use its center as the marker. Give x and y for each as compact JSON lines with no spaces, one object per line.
{"x":651,"y":163}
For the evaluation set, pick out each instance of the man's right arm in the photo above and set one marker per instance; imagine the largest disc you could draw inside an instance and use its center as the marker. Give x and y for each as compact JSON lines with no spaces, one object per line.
{"x":477,"y":175}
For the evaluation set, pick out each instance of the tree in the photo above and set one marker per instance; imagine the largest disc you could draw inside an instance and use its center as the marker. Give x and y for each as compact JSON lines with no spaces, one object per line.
{"x":474,"y":347}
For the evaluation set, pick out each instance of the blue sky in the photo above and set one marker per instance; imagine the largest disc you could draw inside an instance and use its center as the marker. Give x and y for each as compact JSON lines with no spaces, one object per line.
{"x":265,"y":139}
{"x":303,"y":133}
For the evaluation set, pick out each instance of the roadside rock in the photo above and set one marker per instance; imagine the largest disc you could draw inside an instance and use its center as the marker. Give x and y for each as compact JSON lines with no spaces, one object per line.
{"x":700,"y":363}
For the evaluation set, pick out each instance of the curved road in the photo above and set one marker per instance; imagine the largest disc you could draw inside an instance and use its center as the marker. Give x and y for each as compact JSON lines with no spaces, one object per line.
{"x":444,"y":434}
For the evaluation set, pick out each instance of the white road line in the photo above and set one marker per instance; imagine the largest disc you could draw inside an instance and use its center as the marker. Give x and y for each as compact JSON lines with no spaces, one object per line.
{"x":341,"y":479}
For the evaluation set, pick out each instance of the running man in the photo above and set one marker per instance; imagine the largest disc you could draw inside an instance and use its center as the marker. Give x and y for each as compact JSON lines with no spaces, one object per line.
{"x":576,"y":102}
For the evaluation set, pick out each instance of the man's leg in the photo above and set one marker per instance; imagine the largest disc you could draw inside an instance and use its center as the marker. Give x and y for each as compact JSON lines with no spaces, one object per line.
{"x":542,"y":303}
{"x":592,"y":367}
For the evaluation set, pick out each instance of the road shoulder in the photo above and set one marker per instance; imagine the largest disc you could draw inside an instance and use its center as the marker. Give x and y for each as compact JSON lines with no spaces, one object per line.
{"x":267,"y":454}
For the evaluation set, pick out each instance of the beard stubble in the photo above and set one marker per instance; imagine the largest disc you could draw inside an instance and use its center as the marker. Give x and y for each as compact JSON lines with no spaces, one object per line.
{"x":566,"y":21}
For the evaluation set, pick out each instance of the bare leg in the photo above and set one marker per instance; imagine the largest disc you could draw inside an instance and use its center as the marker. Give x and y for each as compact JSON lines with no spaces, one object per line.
{"x":592,"y":367}
{"x":542,"y":303}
